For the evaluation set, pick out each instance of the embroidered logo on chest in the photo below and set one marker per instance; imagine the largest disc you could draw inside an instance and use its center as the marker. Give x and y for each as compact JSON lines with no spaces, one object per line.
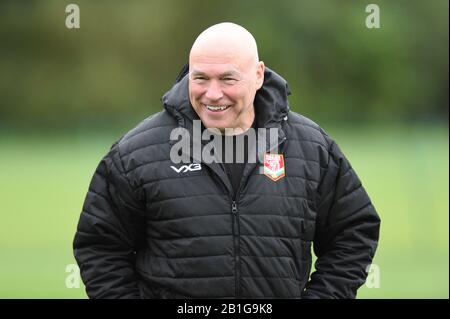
{"x":274,"y":166}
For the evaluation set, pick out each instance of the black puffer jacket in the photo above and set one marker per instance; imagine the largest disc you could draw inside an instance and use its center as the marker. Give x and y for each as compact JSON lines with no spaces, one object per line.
{"x":147,"y":231}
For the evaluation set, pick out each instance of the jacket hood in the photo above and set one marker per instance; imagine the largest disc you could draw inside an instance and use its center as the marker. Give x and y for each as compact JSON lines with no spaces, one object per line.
{"x":271,"y":100}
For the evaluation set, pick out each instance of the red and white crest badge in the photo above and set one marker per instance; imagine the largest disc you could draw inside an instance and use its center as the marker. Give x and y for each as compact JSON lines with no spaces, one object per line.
{"x":274,"y":166}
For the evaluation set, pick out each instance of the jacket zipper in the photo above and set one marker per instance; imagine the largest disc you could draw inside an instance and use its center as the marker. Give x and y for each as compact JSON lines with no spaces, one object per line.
{"x":237,"y":233}
{"x":236,"y":242}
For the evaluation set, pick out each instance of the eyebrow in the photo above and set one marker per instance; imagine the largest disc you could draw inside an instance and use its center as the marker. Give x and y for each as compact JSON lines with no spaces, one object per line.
{"x":225,"y":74}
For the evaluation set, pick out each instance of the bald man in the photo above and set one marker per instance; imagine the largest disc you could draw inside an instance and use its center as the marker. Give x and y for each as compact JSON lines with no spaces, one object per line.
{"x":223,"y":193}
{"x":225,"y":72}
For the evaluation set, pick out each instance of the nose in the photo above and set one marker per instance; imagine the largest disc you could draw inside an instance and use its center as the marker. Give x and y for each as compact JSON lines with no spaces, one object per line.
{"x":214,"y":92}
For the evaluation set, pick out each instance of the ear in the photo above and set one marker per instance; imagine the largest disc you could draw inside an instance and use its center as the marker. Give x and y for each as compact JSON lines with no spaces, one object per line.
{"x":260,"y":68}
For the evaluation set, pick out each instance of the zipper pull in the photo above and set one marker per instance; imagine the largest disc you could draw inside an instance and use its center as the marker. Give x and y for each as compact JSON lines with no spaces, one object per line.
{"x":234,"y":207}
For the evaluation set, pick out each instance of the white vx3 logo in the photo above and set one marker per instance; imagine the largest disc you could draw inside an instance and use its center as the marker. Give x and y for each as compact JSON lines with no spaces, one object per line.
{"x":187,"y":168}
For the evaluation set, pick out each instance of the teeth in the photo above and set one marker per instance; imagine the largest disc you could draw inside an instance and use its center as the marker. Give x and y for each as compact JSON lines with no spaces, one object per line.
{"x":216,"y":107}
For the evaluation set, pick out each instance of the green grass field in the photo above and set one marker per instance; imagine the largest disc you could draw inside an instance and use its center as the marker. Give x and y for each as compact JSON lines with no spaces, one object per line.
{"x":43,"y":181}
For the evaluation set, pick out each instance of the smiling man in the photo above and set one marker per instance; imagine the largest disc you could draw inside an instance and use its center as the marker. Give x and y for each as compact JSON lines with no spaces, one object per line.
{"x":239,"y":227}
{"x":224,"y":75}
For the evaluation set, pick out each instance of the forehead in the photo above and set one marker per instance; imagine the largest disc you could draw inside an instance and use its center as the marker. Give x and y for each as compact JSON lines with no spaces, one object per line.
{"x":214,"y":71}
{"x":216,"y":65}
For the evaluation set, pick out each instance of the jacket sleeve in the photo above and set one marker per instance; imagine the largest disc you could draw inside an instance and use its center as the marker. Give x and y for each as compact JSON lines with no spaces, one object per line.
{"x":347,"y":230}
{"x":109,"y":232}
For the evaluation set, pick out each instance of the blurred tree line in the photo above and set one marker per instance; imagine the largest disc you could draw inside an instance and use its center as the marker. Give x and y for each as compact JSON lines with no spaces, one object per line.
{"x":126,"y":55}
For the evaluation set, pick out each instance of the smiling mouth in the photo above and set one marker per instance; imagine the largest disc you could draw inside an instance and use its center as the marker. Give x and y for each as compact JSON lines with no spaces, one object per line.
{"x":217,"y":108}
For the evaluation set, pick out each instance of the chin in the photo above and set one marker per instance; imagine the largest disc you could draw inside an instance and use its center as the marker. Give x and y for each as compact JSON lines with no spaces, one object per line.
{"x":215,"y":125}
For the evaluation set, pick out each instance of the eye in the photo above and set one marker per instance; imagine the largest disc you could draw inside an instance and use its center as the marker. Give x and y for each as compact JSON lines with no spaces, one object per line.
{"x":199,"y":77}
{"x":229,"y":80}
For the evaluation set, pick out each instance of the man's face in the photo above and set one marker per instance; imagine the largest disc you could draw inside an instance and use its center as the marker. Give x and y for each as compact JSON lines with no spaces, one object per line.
{"x":222,"y":90}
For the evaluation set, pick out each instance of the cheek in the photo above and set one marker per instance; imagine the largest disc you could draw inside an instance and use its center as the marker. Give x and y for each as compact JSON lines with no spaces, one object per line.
{"x":195,"y":91}
{"x":236,"y":94}
{"x":245,"y":96}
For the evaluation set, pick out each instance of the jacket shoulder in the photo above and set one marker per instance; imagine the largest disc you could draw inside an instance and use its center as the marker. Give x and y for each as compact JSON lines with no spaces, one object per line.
{"x":304,"y":129}
{"x":153,"y":130}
